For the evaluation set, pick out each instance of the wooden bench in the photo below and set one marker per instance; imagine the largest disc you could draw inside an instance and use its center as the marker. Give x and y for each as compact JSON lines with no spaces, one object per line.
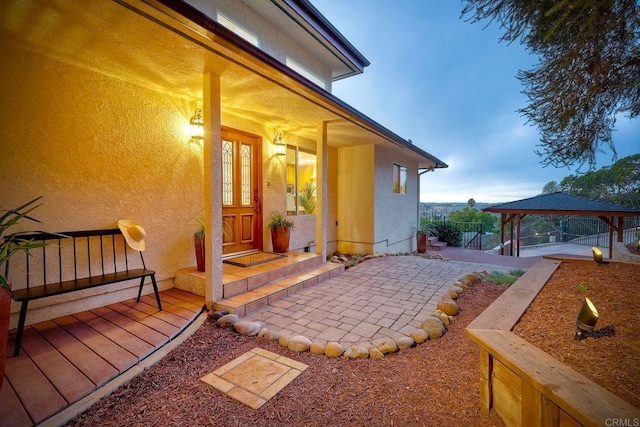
{"x":72,"y":261}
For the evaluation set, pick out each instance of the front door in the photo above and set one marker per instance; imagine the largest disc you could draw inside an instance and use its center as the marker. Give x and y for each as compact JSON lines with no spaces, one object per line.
{"x":241,"y":191}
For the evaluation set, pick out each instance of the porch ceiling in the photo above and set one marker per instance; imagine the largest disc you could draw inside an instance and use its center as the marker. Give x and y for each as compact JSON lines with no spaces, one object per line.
{"x":152,"y":51}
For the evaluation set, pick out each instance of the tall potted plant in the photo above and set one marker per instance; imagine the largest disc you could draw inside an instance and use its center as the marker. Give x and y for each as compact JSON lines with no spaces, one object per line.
{"x":280,"y":226}
{"x":9,"y":246}
{"x":422,"y":232}
{"x":198,"y":243}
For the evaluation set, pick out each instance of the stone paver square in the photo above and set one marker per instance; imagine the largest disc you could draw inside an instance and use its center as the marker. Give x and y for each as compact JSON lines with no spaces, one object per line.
{"x":255,"y":377}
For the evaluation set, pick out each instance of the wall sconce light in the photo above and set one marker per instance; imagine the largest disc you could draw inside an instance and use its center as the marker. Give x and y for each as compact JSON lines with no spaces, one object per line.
{"x":280,"y":146}
{"x":197,"y":127}
{"x":587,"y":319}
{"x":597,"y":256}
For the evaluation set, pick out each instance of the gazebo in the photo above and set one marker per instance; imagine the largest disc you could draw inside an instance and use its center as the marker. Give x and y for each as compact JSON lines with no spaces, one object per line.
{"x":563,"y":204}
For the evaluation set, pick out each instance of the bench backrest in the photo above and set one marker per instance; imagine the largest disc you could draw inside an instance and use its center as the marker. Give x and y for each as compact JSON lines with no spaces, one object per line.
{"x":71,"y":255}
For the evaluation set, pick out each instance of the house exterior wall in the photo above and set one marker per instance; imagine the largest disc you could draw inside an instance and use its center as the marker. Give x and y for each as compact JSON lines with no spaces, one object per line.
{"x":272,"y":40}
{"x":98,"y":149}
{"x":355,"y":199}
{"x":332,"y":200}
{"x":395,"y":213}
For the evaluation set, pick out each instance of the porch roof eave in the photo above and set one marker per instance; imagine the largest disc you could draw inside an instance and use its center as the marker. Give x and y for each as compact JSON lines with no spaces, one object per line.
{"x":345,"y":110}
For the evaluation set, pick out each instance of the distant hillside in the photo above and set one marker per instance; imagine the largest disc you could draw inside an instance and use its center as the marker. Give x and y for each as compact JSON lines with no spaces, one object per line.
{"x":447,"y":208}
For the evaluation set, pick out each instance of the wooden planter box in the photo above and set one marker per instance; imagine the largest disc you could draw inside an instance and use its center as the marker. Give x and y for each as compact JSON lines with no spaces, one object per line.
{"x":526,"y":386}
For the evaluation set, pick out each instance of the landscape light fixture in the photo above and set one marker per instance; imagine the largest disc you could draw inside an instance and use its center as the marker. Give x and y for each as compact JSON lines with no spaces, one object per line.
{"x":197,"y":127}
{"x":280,"y":146}
{"x":597,"y":256}
{"x":586,"y":320}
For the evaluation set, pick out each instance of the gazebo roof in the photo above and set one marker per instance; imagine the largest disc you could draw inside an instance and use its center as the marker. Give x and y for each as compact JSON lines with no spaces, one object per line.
{"x":563,"y":204}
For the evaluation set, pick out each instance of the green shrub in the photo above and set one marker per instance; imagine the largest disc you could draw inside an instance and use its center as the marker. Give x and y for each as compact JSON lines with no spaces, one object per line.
{"x":502,"y":278}
{"x":450,"y":234}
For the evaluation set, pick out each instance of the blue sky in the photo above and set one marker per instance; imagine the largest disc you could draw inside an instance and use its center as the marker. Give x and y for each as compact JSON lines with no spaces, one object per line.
{"x":450,"y":86}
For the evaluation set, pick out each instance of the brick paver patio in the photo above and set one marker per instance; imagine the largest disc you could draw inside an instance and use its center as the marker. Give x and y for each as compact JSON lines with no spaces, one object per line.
{"x":385,"y":297}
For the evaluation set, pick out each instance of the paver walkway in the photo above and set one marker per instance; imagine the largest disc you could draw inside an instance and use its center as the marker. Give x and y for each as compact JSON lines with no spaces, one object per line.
{"x":380,"y":298}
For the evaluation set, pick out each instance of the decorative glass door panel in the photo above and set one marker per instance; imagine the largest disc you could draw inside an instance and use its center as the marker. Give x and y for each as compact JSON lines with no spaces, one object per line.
{"x":241,"y":192}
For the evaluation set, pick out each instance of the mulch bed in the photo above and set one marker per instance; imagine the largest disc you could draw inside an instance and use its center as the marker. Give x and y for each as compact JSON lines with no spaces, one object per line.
{"x":436,"y":383}
{"x":613,"y":361}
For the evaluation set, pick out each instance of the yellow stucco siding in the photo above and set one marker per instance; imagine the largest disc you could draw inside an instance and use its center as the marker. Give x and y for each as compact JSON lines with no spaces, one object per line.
{"x":99,"y":149}
{"x":356,"y":199}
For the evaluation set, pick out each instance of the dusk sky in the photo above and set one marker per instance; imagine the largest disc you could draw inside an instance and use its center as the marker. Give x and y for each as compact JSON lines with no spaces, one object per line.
{"x":450,"y":86}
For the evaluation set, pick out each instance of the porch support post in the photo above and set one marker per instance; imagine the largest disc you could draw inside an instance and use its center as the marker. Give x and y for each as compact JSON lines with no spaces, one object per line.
{"x":321,"y":191}
{"x":212,"y":187}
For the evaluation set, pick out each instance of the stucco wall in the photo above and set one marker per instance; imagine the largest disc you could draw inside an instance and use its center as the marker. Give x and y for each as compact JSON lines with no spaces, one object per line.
{"x":355,"y":209}
{"x":99,"y":149}
{"x":395,"y":213}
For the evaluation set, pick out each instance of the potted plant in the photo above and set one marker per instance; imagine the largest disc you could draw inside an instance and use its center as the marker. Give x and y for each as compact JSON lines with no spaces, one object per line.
{"x":280,"y":226}
{"x":198,"y":243}
{"x":307,"y":197}
{"x":422,"y":231}
{"x":9,"y":246}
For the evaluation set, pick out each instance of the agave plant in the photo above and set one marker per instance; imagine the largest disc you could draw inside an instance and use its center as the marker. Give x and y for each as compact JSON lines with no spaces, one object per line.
{"x":12,"y":244}
{"x":307,"y":197}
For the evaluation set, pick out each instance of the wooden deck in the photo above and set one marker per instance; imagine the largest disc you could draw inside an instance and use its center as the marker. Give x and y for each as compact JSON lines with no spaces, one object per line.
{"x":65,"y":359}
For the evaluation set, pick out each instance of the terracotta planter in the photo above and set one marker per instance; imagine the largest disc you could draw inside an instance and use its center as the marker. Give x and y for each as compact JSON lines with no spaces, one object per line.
{"x":280,"y":239}
{"x":200,"y":254}
{"x":422,"y":243}
{"x":5,"y":312}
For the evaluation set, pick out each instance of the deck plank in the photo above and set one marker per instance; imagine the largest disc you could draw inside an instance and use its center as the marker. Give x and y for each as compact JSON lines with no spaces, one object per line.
{"x":82,"y":357}
{"x":154,"y":323}
{"x":39,"y":397}
{"x":141,"y":331}
{"x":185,"y":296}
{"x":12,"y":413}
{"x":152,"y":310}
{"x":193,"y":307}
{"x":115,"y":355}
{"x":125,"y":339}
{"x":172,"y":308}
{"x":70,"y":382}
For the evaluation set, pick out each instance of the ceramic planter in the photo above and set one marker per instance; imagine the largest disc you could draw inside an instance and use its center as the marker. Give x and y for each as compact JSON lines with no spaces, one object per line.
{"x":200,"y":253}
{"x":422,"y":242}
{"x":280,"y":239}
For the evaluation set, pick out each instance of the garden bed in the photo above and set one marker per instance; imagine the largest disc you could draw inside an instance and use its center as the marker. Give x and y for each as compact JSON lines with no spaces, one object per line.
{"x":523,"y":382}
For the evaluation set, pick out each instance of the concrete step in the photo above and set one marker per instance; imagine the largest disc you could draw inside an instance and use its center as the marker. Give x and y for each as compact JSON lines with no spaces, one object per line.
{"x":259,"y":297}
{"x":434,"y":244}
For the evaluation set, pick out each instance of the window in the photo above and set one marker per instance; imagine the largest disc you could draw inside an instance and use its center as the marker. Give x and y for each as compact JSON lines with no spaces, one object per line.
{"x":306,"y":73}
{"x":301,"y":181}
{"x":399,"y":179}
{"x":239,"y":30}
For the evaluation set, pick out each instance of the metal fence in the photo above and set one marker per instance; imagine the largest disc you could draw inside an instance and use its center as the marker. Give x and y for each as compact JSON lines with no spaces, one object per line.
{"x":467,"y":234}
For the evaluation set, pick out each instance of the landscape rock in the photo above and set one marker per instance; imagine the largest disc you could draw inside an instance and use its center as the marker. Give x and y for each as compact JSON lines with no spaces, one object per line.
{"x":272,"y":335}
{"x":334,"y":349}
{"x":405,"y":343}
{"x":449,"y":307}
{"x":433,"y":326}
{"x":386,"y":345}
{"x":299,"y":344}
{"x":358,"y":352}
{"x":458,"y":289}
{"x":283,"y":340}
{"x":316,"y":348}
{"x":218,"y":314}
{"x":374,"y":353}
{"x":452,"y":293}
{"x":227,"y":320}
{"x":419,"y":336}
{"x":247,"y":327}
{"x":262,"y":332}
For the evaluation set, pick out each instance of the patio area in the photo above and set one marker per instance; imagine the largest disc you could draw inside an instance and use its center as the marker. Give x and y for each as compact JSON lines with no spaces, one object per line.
{"x":68,"y":363}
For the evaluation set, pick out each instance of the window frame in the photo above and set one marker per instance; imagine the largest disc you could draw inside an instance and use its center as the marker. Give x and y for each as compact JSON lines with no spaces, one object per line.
{"x":238,"y":29}
{"x":400,"y":178}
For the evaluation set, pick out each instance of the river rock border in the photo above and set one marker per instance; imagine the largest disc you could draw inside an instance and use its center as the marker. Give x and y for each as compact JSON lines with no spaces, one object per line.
{"x":433,"y":327}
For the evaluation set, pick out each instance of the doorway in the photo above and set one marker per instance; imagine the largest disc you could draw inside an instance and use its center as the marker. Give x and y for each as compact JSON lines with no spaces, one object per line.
{"x":241,"y":191}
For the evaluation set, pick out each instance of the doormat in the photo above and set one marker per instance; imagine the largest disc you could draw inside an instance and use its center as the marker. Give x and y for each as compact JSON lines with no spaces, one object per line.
{"x":249,"y":260}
